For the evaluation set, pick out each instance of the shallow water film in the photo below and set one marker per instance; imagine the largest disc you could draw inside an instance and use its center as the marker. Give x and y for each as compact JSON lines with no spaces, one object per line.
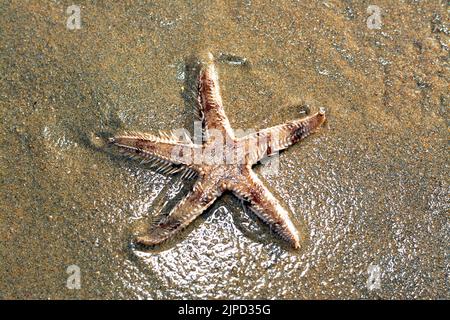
{"x":370,"y":187}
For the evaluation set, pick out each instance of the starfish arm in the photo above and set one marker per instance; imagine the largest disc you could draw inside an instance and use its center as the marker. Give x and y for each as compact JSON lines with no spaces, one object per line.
{"x":267,"y":207}
{"x":271,"y":140}
{"x":165,"y":152}
{"x":210,"y":106}
{"x":203,"y":194}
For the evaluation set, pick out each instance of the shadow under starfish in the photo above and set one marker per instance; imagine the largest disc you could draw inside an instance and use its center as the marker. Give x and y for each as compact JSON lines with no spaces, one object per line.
{"x":220,"y":163}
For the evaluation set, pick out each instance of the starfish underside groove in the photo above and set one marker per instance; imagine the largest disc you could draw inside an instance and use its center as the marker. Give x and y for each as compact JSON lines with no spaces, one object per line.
{"x":170,"y":154}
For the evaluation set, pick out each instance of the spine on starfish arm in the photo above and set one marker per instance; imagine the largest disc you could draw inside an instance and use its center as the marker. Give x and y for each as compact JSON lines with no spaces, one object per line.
{"x":208,"y":85}
{"x":302,"y":128}
{"x":262,"y":202}
{"x":166,"y":152}
{"x":210,"y":102}
{"x":203,"y":194}
{"x":271,"y":140}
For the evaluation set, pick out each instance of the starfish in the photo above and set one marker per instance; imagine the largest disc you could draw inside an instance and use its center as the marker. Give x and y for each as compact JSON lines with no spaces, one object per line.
{"x":221,"y":162}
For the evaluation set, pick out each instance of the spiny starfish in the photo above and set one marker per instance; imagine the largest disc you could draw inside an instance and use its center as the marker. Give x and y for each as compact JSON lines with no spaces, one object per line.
{"x":219,"y":167}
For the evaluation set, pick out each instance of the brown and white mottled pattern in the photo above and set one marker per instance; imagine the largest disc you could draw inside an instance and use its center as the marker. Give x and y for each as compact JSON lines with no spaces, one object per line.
{"x":170,"y":154}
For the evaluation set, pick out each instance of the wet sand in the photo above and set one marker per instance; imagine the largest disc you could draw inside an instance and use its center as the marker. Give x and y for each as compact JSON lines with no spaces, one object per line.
{"x":371,"y":187}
